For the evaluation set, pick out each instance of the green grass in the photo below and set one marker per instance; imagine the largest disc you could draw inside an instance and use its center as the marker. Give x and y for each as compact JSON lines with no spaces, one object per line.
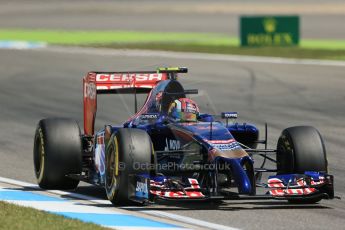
{"x":17,"y":217}
{"x":192,"y":42}
{"x":291,"y":52}
{"x":87,"y":37}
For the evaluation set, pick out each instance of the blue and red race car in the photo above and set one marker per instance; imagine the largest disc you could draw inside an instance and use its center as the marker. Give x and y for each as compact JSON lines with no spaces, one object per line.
{"x":169,"y":150}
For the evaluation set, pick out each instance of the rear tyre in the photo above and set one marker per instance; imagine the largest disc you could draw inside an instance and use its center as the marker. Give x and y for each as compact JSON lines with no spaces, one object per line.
{"x":301,"y":149}
{"x":126,"y":150}
{"x":57,"y":153}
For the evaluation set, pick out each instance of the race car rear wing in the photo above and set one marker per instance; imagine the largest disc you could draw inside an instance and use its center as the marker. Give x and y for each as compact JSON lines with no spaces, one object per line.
{"x":119,"y":83}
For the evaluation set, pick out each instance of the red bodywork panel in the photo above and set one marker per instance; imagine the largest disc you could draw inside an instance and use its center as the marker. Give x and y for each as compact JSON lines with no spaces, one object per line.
{"x":115,"y":82}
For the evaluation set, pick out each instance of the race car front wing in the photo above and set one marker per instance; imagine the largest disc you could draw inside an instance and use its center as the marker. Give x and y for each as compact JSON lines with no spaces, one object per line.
{"x":304,"y":185}
{"x":310,"y":185}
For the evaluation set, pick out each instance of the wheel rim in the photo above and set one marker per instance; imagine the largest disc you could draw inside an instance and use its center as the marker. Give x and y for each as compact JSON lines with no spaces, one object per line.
{"x":39,"y":156}
{"x":111,"y":180}
{"x":110,"y":167}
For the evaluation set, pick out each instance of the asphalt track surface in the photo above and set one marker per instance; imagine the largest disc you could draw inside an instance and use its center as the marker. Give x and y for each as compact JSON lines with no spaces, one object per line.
{"x":39,"y":84}
{"x":43,"y":83}
{"x":319,"y":19}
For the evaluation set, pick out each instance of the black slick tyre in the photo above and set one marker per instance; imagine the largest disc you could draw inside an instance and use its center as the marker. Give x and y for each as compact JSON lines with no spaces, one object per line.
{"x":126,"y":150}
{"x":57,"y":153}
{"x":301,"y":149}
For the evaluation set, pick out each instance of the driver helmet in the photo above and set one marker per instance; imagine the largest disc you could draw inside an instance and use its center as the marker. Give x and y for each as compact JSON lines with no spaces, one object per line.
{"x":183,"y":110}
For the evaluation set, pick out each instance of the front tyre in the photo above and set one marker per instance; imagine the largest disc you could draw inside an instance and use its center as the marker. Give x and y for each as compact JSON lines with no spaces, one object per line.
{"x":57,"y":153}
{"x":301,"y":149}
{"x":128,"y":152}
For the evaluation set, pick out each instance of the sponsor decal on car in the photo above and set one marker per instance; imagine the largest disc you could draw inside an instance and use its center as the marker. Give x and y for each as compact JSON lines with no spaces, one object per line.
{"x":118,"y":78}
{"x":172,"y":144}
{"x":141,"y":188}
{"x":223,"y":145}
{"x":108,"y":81}
{"x":148,"y":116}
{"x":90,"y":90}
{"x":229,"y":115}
{"x":231,"y":146}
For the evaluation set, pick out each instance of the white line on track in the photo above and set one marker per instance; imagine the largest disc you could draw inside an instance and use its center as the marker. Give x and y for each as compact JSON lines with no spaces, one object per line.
{"x":182,"y":219}
{"x":187,"y":55}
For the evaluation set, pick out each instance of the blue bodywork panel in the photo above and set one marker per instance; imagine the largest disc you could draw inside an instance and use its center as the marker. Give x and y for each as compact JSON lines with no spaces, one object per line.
{"x":207,"y":135}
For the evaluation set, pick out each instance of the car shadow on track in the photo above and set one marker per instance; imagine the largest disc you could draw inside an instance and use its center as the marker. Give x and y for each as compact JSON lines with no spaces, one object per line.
{"x":226,"y":206}
{"x":160,"y":205}
{"x":91,"y":190}
{"x":203,"y":205}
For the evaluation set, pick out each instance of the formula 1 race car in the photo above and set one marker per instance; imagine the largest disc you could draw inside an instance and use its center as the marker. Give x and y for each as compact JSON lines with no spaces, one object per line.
{"x":169,"y":150}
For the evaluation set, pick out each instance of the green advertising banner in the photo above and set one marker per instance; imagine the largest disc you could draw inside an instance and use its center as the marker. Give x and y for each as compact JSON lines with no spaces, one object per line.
{"x":269,"y":30}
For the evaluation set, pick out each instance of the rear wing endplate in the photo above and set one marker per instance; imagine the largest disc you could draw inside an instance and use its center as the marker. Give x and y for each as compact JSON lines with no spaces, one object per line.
{"x":134,"y":82}
{"x":114,"y":83}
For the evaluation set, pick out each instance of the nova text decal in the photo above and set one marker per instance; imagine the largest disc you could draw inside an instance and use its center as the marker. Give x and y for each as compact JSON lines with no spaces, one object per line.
{"x":172,"y":145}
